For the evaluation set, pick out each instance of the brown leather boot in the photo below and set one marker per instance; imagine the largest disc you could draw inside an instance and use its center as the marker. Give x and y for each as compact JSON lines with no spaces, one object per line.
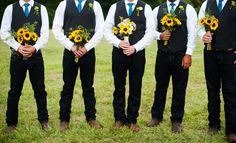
{"x":231,"y":138}
{"x":212,"y":131}
{"x":154,"y":122}
{"x":176,"y":127}
{"x":64,"y":125}
{"x":45,"y":126}
{"x":134,"y":127}
{"x":11,"y":128}
{"x":118,"y":125}
{"x":95,"y":124}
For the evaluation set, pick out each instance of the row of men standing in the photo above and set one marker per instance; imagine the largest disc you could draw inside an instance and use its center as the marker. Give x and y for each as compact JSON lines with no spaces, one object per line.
{"x":172,"y":60}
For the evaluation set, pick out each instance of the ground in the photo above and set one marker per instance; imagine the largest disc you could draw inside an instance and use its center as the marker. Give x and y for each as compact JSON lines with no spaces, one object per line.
{"x":195,"y":120}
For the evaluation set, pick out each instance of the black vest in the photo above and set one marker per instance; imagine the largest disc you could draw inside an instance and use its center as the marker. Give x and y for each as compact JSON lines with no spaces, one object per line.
{"x":73,"y":18}
{"x":19,"y":18}
{"x":140,"y":20}
{"x":179,"y":37}
{"x":225,"y":36}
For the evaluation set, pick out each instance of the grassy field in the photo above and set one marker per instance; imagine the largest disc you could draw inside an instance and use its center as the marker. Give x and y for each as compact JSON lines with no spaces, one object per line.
{"x":195,"y":119}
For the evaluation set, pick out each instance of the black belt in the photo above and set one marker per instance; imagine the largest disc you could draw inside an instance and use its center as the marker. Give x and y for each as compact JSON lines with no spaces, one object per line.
{"x":226,"y":50}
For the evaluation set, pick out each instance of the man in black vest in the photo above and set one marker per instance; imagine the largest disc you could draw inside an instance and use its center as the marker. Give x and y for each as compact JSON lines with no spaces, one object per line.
{"x":173,"y":59}
{"x":130,"y":57}
{"x":219,"y":65}
{"x":70,"y":14}
{"x":15,"y":16}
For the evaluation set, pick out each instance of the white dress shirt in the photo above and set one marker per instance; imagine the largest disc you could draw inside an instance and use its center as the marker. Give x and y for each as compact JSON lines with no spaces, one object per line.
{"x":110,"y":22}
{"x":58,"y":23}
{"x":6,"y":29}
{"x":191,"y":25}
{"x":202,"y":14}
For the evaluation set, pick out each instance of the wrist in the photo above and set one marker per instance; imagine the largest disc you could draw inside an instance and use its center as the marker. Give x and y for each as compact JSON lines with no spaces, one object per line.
{"x":134,"y":50}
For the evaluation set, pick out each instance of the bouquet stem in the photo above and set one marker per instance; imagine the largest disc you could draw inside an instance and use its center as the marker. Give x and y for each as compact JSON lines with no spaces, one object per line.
{"x":209,"y":48}
{"x":25,"y":58}
{"x":126,"y":39}
{"x":165,"y":43}
{"x":77,"y":58}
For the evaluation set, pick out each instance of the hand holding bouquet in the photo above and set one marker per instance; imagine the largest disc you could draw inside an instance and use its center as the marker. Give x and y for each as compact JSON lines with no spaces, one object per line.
{"x":125,"y":28}
{"x":169,"y":23}
{"x":26,"y":35}
{"x":80,"y":36}
{"x":210,"y":23}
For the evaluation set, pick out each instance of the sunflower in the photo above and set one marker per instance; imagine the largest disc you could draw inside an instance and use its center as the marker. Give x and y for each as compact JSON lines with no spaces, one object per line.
{"x":208,"y":21}
{"x":34,"y":36}
{"x":214,"y":25}
{"x":78,"y":39}
{"x":27,"y":36}
{"x":71,"y":36}
{"x":125,"y":30}
{"x":21,"y":31}
{"x":87,"y":39}
{"x":170,"y":22}
{"x":74,"y":33}
{"x":163,"y":20}
{"x":201,"y":21}
{"x":115,"y":30}
{"x":20,"y":39}
{"x":177,"y":21}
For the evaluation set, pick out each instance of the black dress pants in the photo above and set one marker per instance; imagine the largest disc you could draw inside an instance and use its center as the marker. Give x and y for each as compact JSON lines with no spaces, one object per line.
{"x":220,"y":72}
{"x":18,"y":70}
{"x":70,"y":72}
{"x":170,"y":64}
{"x":135,"y":64}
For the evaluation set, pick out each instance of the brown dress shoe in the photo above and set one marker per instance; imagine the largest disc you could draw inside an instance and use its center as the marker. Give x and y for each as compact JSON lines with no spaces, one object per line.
{"x":154,"y":122}
{"x":45,"y":126}
{"x":118,"y":125}
{"x":95,"y":124}
{"x":64,"y":125}
{"x":176,"y":127}
{"x":212,"y":131}
{"x":231,"y":138}
{"x":134,"y":127}
{"x":11,"y":128}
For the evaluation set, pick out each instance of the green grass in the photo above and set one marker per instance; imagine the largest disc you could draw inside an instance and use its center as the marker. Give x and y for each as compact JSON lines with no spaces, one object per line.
{"x":28,"y":130}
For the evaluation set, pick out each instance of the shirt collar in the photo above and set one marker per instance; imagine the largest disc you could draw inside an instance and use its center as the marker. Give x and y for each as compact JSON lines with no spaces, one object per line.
{"x":31,"y":2}
{"x":134,"y":2}
{"x":175,"y":2}
{"x":217,"y":1}
{"x":78,"y":0}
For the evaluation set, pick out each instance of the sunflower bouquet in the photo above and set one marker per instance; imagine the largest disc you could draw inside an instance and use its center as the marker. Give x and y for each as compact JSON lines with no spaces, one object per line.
{"x":80,"y":36}
{"x":169,"y":22}
{"x":210,"y":23}
{"x":26,"y":35}
{"x":125,"y":28}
